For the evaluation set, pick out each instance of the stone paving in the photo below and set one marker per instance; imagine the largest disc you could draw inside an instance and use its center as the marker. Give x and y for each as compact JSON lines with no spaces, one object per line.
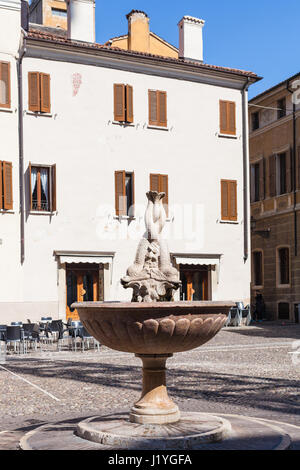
{"x":246,"y":371}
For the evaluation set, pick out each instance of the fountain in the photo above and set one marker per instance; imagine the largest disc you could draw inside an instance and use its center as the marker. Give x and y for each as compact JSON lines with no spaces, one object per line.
{"x":153,"y":327}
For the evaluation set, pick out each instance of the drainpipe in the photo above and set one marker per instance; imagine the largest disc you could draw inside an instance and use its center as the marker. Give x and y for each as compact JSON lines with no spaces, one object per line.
{"x":245,"y":167}
{"x":294,"y":172}
{"x":21,"y":147}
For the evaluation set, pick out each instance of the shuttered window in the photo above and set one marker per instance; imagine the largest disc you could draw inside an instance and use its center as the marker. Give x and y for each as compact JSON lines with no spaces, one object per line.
{"x":6,"y":187}
{"x":124,"y":193}
{"x":157,"y":108}
{"x":283,"y":260}
{"x":4,"y":84}
{"x":123,"y":103}
{"x":257,"y":260}
{"x":160,"y":184}
{"x":227,"y":117}
{"x":39,"y":99}
{"x":228,"y":200}
{"x":42,"y":184}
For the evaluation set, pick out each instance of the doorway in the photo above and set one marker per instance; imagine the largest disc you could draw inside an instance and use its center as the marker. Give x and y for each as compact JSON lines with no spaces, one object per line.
{"x":82,"y":286}
{"x":196,"y":282}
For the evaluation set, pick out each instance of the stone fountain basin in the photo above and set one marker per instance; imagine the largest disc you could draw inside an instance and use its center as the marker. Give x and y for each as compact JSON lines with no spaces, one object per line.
{"x":153,"y":328}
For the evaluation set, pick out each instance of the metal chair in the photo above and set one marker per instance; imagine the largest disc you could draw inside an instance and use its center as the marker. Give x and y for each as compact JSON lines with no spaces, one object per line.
{"x":16,"y":323}
{"x":29,"y":336}
{"x":86,"y":336}
{"x":15,"y":336}
{"x":57,"y":328}
{"x":2,"y":332}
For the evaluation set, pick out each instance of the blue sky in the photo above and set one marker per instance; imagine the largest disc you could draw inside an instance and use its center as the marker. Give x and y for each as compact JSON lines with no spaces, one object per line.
{"x":260,"y":35}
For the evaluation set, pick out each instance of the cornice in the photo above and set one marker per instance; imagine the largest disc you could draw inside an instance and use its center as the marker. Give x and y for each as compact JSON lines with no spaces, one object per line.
{"x":39,"y":48}
{"x":14,"y":5}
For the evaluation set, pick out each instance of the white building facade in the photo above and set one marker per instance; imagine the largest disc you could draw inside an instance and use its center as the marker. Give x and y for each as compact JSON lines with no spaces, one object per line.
{"x":100,"y":127}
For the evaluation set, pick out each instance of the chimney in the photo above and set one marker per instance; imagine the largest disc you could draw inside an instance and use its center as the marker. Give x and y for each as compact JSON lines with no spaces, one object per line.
{"x":190,"y":38}
{"x":81,"y":20}
{"x":138,"y":31}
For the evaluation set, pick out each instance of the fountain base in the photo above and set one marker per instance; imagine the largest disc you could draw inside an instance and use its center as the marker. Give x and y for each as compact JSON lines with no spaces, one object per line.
{"x":192,"y":430}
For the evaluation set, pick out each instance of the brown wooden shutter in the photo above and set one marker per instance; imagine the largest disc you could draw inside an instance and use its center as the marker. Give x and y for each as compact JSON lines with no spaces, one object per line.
{"x":129,"y":103}
{"x":288,"y":160}
{"x":298,"y":168}
{"x":120,"y":193}
{"x":34,"y":91}
{"x":162,"y":108}
{"x":119,"y":102}
{"x":223,"y":117}
{"x":1,"y":187}
{"x":232,"y":200}
{"x":262,"y":179}
{"x":29,"y":185}
{"x":7,"y":186}
{"x":163,"y":188}
{"x":272,"y":175}
{"x":227,"y":117}
{"x":5,"y":82}
{"x":153,"y":109}
{"x":53,"y":188}
{"x":224,"y":200}
{"x":154,"y":182}
{"x":45,"y":93}
{"x":133,"y":194}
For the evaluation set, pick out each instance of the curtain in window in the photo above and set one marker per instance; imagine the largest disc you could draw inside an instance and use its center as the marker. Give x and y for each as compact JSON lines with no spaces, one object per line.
{"x":33,"y":180}
{"x":44,"y":182}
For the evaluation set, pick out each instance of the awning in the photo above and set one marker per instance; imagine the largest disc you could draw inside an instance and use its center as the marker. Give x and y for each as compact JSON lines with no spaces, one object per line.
{"x":197,"y":259}
{"x":84,"y":257}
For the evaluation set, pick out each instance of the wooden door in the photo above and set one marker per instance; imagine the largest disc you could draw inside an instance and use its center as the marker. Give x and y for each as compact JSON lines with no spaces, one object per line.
{"x":195,"y":283}
{"x":82,"y":286}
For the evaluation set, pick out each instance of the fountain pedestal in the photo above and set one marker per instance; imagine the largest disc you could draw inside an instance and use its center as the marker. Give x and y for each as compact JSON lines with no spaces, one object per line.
{"x":155,"y":406}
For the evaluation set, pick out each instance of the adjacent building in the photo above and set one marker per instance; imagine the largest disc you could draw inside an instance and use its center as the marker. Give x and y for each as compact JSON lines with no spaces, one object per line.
{"x":275,"y":198}
{"x":90,"y":128}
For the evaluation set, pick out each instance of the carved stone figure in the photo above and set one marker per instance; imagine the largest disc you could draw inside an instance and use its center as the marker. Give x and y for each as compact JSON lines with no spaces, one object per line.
{"x":152,"y":277}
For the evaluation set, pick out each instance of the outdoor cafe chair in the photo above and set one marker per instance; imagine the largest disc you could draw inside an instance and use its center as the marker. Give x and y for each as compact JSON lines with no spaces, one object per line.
{"x":31,"y":334}
{"x":87,"y":337}
{"x":2,"y":332}
{"x":15,"y":336}
{"x":57,"y":328}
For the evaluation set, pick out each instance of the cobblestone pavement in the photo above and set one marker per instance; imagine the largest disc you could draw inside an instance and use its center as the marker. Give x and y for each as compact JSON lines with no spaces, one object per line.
{"x":248,"y":371}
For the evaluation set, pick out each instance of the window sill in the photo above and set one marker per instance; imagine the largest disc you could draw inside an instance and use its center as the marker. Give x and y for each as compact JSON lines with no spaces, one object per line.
{"x":283,"y":286}
{"x":7,"y":110}
{"x":42,"y":213}
{"x":124,"y":217}
{"x":38,"y":114}
{"x":123,"y":124}
{"x":161,"y":128}
{"x":231,"y":222}
{"x":9,"y":211}
{"x":227,"y":136}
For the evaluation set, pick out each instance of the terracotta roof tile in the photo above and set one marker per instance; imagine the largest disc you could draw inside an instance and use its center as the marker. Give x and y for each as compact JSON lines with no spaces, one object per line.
{"x":51,"y":37}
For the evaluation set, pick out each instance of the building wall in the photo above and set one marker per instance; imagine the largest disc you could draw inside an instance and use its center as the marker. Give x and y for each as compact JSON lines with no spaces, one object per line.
{"x":277,"y":213}
{"x":80,"y":137}
{"x":10,"y":270}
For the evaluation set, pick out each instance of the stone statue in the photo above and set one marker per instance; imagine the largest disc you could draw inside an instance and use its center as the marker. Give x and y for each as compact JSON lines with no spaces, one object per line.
{"x":152,"y":277}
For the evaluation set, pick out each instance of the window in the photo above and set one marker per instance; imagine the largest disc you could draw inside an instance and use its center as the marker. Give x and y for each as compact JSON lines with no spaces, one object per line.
{"x":39,"y":92}
{"x":281,"y":172}
{"x":6,"y":190}
{"x":59,"y":12}
{"x":283,"y":311}
{"x":283,"y":266}
{"x":157,"y":108}
{"x":281,"y":105}
{"x":227,"y":117}
{"x":257,"y":260}
{"x":42,"y":183}
{"x":255,"y":121}
{"x":123,"y":103}
{"x":4,"y":85}
{"x":160,"y":184}
{"x":124,"y":193}
{"x":255,"y":182}
{"x":229,"y":200}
